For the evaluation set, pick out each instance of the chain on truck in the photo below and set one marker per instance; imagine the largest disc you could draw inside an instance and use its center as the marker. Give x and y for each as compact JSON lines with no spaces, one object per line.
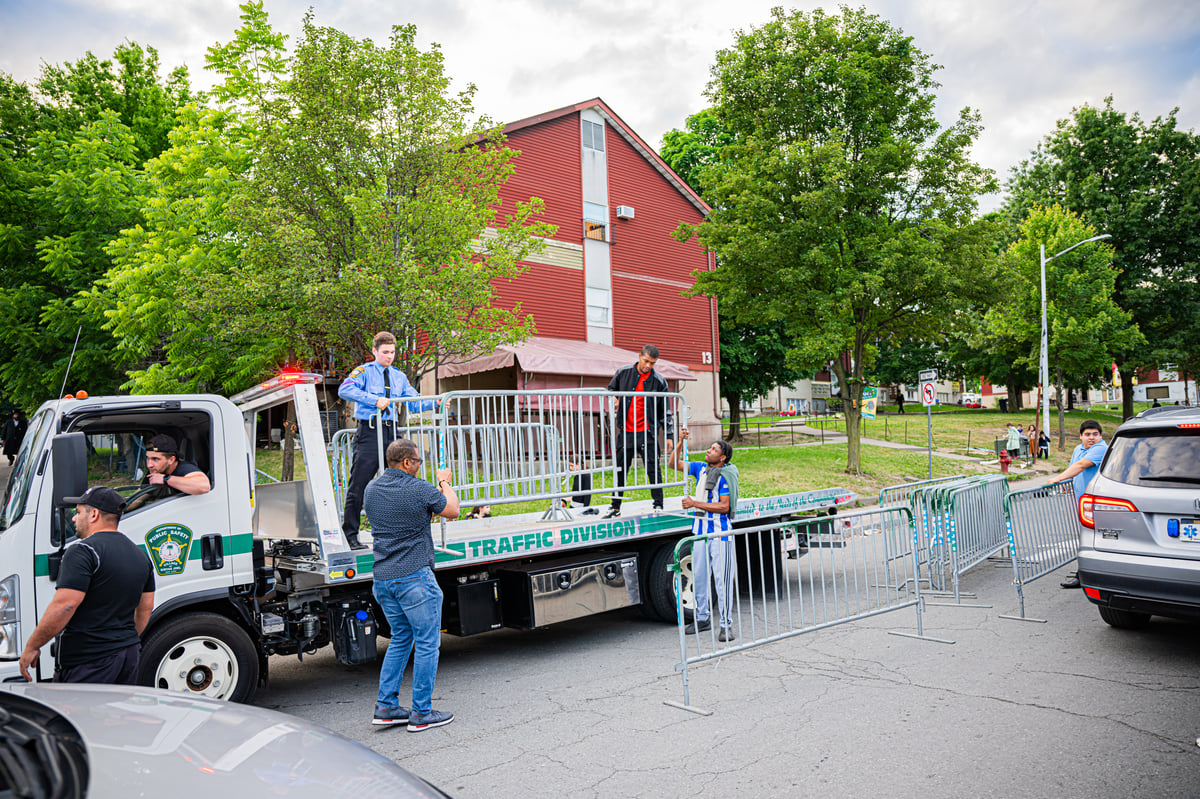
{"x":259,"y":567}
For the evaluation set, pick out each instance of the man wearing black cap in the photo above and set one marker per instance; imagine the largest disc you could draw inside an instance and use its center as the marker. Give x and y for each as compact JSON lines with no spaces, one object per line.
{"x":168,"y":471}
{"x":103,"y":600}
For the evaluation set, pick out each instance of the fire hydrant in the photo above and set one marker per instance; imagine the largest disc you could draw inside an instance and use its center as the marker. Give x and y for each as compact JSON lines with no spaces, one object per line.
{"x":1005,"y":459}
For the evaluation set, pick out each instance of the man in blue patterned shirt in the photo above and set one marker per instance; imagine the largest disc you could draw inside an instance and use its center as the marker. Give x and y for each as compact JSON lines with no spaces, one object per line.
{"x":713,"y":507}
{"x":399,"y":506}
{"x":370,"y":387}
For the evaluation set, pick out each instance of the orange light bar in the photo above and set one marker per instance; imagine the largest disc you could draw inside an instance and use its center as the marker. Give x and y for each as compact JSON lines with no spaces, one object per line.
{"x":1189,"y":424}
{"x":275,"y":383}
{"x":1089,"y":504}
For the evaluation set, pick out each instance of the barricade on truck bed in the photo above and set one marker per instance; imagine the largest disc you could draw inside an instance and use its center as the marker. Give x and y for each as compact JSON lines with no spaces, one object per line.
{"x":772,"y":596}
{"x":1043,"y":534}
{"x":523,"y":446}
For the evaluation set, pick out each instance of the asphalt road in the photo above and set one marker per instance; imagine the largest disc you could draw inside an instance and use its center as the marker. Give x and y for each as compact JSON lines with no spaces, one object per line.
{"x":1069,"y":708}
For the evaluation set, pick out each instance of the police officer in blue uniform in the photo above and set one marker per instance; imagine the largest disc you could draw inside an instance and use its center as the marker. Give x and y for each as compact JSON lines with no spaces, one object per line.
{"x":370,"y":386}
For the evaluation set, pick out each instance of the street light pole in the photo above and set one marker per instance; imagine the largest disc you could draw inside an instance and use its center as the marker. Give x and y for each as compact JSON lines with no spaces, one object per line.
{"x":1044,"y":371}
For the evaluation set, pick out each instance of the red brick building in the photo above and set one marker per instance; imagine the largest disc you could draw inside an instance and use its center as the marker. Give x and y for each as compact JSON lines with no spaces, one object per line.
{"x":613,"y":275}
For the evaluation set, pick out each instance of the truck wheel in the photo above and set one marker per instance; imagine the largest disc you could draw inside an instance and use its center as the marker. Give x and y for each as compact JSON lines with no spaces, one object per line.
{"x":201,"y":653}
{"x":1124,"y":619}
{"x":658,"y":598}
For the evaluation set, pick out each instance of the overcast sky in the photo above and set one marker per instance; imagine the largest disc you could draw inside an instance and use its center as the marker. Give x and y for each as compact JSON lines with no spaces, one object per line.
{"x":1023,"y":64}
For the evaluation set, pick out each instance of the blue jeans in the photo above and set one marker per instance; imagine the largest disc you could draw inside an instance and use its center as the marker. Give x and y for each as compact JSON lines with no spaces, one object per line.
{"x":413,"y":607}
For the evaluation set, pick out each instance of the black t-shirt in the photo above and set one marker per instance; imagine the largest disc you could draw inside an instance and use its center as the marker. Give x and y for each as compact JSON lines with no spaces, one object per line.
{"x":162,"y":491}
{"x":113,"y":573}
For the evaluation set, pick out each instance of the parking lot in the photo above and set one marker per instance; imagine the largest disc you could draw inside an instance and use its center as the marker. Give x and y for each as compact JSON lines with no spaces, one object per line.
{"x":1066,"y":708}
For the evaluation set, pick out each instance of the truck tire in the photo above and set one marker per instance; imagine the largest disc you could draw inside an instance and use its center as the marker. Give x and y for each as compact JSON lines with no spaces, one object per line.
{"x":658,"y":596}
{"x":202,"y":654}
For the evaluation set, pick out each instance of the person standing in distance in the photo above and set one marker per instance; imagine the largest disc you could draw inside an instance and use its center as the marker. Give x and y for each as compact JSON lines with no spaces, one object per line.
{"x":399,"y":506}
{"x":714,"y":505}
{"x":640,"y":421}
{"x":370,"y":387}
{"x":12,"y":435}
{"x":103,"y":600}
{"x":1085,"y":463}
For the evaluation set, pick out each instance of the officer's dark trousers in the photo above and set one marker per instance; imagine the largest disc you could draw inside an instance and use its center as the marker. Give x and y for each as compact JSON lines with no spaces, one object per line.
{"x":362,"y":471}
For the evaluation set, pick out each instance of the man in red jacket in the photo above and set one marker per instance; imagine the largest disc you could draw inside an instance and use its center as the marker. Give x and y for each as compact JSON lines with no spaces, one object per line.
{"x":641,"y":418}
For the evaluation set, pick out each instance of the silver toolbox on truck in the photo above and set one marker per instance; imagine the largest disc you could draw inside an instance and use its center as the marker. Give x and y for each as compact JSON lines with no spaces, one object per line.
{"x":537,"y":594}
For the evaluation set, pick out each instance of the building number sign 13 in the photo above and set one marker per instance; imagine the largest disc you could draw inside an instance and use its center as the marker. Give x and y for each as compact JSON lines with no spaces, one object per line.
{"x":706,"y":357}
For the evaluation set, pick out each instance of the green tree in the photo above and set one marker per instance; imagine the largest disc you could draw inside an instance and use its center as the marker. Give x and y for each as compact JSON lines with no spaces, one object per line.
{"x":359,"y":195}
{"x":70,"y":158}
{"x":1084,"y":323}
{"x":753,"y":357}
{"x":1137,"y":181}
{"x":899,"y":361}
{"x":840,"y":209}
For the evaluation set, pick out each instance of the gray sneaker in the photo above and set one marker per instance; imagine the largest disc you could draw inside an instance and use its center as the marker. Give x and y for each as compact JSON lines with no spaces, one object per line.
{"x":390,"y":716}
{"x":726,"y":634}
{"x":434,"y":718}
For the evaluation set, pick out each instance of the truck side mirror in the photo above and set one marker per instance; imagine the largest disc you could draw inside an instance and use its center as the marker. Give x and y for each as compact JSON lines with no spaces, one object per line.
{"x":68,"y":452}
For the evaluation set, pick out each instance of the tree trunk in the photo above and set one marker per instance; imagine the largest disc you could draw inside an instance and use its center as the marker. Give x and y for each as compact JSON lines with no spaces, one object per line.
{"x":287,"y":471}
{"x":850,"y":392}
{"x":1062,"y":421}
{"x":1126,"y":373}
{"x":735,"y":416}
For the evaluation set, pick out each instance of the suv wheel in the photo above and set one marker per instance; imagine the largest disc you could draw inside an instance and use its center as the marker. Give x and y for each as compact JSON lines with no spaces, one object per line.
{"x":1124,"y":619}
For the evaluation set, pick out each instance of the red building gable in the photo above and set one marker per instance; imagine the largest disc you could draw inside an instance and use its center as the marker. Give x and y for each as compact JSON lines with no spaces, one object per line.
{"x":622,"y":284}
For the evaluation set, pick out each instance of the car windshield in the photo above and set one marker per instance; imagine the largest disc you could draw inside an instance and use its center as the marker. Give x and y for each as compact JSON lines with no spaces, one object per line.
{"x":23,"y":468}
{"x":1162,"y":458}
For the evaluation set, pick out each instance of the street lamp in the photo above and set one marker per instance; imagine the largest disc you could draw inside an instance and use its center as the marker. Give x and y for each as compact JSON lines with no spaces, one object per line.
{"x":1045,"y":363}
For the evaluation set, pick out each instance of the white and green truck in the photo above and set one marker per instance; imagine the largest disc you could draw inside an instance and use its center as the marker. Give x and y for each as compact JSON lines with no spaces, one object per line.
{"x":250,"y":569}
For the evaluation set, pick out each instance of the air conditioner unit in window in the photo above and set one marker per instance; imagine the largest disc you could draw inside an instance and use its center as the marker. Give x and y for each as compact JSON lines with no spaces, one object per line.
{"x":624,"y":212}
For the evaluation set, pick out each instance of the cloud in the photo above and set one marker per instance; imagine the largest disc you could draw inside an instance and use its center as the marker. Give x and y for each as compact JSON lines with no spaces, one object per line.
{"x":1024,"y":64}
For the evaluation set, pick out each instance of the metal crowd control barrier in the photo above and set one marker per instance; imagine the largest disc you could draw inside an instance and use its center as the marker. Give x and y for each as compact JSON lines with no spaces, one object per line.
{"x":522,"y":446}
{"x":1043,"y":534}
{"x":959,"y":524}
{"x":900,"y":494}
{"x":768,"y":596}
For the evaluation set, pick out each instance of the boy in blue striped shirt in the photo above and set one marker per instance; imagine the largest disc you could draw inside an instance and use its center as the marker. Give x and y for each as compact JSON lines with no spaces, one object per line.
{"x":714,"y":506}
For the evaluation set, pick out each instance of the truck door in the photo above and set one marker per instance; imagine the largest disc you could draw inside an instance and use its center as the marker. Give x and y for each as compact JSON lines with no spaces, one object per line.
{"x":188,"y":537}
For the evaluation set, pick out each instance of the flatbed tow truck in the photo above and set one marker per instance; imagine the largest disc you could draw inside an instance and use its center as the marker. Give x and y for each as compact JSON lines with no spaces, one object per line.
{"x":254,"y":569}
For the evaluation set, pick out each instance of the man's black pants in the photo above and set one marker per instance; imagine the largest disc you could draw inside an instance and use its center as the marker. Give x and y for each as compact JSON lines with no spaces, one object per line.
{"x":628,"y":446}
{"x":362,"y":471}
{"x":119,"y":668}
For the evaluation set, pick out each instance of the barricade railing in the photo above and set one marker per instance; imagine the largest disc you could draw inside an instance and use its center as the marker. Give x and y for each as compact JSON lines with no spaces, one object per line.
{"x":938,"y":531}
{"x":977,"y":526}
{"x":1043,"y":534}
{"x":780,"y":580}
{"x":900,"y":494}
{"x":521,"y":446}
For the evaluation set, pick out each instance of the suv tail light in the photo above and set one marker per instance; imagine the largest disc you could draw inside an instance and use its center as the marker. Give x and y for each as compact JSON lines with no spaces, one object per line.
{"x":1089,"y":504}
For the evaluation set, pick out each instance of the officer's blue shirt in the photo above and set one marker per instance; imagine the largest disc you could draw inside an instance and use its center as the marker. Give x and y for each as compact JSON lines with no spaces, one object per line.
{"x":364,"y":386}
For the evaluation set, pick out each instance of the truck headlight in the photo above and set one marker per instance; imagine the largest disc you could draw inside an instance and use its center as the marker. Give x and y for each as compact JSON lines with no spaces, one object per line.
{"x":10,"y":618}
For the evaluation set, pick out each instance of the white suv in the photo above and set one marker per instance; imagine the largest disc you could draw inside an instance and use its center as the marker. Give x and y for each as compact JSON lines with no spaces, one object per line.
{"x":1139,"y":553}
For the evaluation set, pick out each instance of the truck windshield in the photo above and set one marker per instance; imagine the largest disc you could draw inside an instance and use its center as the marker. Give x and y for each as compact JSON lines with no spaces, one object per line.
{"x":23,"y":469}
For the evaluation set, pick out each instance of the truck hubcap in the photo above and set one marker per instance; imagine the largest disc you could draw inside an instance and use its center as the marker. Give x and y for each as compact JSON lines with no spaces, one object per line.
{"x":200,"y":665}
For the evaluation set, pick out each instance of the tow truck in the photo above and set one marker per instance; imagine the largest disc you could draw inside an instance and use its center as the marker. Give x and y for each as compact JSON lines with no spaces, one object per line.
{"x":253,"y":569}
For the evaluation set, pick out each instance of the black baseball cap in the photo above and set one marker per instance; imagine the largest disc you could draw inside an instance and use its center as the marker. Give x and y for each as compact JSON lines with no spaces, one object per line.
{"x":163,"y":443}
{"x":102,"y":498}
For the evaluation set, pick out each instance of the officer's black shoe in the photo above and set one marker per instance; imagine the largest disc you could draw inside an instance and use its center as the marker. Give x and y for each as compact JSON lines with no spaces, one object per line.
{"x":354,"y":543}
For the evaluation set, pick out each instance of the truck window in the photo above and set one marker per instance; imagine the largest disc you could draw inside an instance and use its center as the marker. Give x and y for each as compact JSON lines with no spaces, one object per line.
{"x":116,"y":447}
{"x":23,"y":469}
